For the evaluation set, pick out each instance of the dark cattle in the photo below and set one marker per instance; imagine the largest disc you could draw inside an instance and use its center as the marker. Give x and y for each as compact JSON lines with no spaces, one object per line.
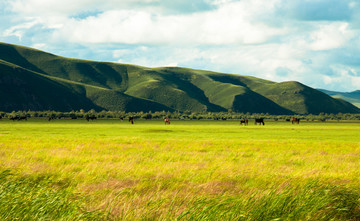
{"x":90,"y":118}
{"x":13,"y":118}
{"x":287,"y":120}
{"x":167,"y":120}
{"x":0,"y":117}
{"x":23,"y":118}
{"x":296,"y":120}
{"x":260,"y":121}
{"x":245,"y":122}
{"x":52,"y":118}
{"x":223,"y":118}
{"x":131,"y":120}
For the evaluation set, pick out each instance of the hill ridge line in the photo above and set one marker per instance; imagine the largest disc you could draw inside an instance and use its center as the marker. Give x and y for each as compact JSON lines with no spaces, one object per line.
{"x":52,"y":77}
{"x":103,"y":85}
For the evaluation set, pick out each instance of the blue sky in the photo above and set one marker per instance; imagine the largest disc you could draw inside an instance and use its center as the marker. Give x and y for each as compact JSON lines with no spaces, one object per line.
{"x":316,"y":42}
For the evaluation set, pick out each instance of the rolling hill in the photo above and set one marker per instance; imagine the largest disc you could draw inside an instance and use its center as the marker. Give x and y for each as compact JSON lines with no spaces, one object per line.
{"x":31,"y":79}
{"x":352,"y":97}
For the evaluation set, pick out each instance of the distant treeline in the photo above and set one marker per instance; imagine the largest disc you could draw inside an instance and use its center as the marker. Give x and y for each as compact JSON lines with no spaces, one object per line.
{"x":186,"y":115}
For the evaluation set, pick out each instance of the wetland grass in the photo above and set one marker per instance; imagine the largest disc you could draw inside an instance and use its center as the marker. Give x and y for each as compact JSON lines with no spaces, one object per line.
{"x":189,"y":170}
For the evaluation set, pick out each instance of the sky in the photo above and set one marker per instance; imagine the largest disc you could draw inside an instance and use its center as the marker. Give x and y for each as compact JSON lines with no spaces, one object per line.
{"x":315,"y":42}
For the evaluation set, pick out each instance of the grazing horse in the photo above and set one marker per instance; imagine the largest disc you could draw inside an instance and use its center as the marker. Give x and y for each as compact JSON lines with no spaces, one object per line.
{"x":296,"y":120}
{"x":245,"y":122}
{"x":23,"y":118}
{"x":167,"y":120}
{"x":90,"y":118}
{"x":52,"y":118}
{"x":131,"y":120}
{"x":13,"y":118}
{"x":260,"y":121}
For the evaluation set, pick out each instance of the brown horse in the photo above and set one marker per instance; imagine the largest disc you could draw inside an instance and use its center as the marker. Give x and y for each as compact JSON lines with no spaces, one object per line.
{"x":296,"y":120}
{"x":167,"y":120}
{"x":245,"y":122}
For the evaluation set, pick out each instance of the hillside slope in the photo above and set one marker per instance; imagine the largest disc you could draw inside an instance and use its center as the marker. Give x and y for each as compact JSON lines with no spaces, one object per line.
{"x":352,"y":97}
{"x":303,"y":99}
{"x":36,"y":80}
{"x":20,"y":90}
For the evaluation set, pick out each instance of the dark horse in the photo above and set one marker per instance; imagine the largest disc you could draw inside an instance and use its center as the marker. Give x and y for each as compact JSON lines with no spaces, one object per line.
{"x":167,"y":120}
{"x":296,"y":120}
{"x":131,"y":120}
{"x":14,"y":118}
{"x":51,"y":118}
{"x":18,"y":118}
{"x":245,"y":122}
{"x":260,"y":121}
{"x":90,"y":118}
{"x":23,"y":118}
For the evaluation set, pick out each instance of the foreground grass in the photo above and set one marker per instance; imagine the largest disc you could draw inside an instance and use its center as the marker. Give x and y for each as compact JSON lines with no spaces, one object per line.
{"x":186,"y":170}
{"x":37,"y":198}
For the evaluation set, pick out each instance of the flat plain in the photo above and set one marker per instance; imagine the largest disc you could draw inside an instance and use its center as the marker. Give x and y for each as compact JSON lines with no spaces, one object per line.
{"x":188,"y":170}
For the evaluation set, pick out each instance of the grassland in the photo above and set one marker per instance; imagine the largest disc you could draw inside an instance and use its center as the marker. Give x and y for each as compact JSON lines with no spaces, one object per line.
{"x":189,"y":170}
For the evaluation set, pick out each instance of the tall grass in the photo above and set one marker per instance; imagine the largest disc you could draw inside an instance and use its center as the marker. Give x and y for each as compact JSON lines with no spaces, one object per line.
{"x":314,"y":201}
{"x":192,"y":170}
{"x":38,"y":198}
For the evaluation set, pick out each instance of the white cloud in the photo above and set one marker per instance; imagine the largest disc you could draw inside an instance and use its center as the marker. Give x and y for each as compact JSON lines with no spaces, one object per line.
{"x":328,"y":79}
{"x":355,"y":82}
{"x":252,"y":37}
{"x":345,"y":77}
{"x":227,"y":25}
{"x":120,"y":52}
{"x":19,"y":30}
{"x":49,"y":8}
{"x":230,"y":23}
{"x":68,"y":7}
{"x":40,"y":46}
{"x":330,"y":36}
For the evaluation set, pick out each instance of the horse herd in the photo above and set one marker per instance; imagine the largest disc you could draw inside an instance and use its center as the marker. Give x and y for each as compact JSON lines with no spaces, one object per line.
{"x":261,"y":121}
{"x":245,"y":121}
{"x":18,"y":118}
{"x":257,"y":121}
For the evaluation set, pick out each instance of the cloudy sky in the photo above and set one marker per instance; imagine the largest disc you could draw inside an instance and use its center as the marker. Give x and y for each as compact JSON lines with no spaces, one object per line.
{"x":316,"y":42}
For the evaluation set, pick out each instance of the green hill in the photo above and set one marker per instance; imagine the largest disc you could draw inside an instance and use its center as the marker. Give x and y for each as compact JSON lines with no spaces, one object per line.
{"x":352,"y":97}
{"x":36,"y":80}
{"x":303,"y":99}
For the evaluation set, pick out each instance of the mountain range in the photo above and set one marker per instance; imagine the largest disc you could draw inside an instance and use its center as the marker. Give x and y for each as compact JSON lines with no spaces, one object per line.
{"x":31,"y":79}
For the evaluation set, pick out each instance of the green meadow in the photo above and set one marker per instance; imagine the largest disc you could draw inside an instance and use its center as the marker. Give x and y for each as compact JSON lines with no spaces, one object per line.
{"x":189,"y":170}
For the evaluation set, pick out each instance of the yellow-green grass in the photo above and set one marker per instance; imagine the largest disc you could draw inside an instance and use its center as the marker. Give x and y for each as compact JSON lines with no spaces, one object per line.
{"x":191,"y":169}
